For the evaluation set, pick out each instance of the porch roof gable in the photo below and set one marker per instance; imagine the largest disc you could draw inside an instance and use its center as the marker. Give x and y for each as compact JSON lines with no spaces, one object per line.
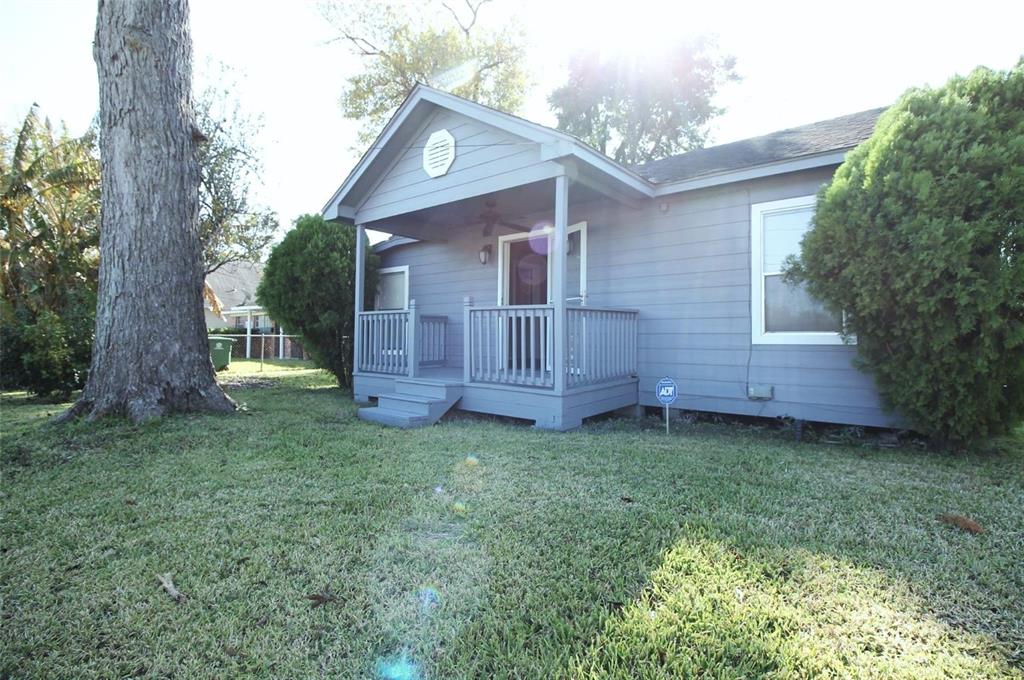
{"x":420,"y":103}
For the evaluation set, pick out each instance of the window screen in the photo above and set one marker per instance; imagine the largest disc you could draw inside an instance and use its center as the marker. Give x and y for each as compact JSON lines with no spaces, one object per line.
{"x":391,"y":290}
{"x":789,"y":308}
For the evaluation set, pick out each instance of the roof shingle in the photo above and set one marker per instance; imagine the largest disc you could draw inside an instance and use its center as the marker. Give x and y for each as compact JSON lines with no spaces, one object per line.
{"x":235,"y":283}
{"x":807,"y":140}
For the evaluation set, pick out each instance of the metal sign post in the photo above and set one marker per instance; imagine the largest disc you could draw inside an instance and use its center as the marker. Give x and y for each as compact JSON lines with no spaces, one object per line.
{"x":667,"y":392}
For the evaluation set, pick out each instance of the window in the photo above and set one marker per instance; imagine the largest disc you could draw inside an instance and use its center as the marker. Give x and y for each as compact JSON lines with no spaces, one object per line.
{"x":783,"y":313}
{"x":392,"y":288}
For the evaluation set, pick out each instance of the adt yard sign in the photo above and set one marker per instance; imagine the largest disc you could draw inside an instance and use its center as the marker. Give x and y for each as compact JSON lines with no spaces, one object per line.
{"x":667,"y":391}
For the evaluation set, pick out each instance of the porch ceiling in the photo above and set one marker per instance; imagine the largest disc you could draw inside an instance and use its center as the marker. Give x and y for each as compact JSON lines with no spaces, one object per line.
{"x":517,"y":205}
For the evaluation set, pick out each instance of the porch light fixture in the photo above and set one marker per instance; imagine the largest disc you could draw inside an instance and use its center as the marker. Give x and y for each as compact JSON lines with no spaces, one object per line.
{"x":485,"y":254}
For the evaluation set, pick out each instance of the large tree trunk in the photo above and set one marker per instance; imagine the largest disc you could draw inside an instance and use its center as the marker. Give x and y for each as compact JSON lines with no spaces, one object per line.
{"x":150,"y":354}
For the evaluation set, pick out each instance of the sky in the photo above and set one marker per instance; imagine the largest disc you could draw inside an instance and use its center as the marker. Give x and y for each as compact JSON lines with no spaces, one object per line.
{"x":798,"y":61}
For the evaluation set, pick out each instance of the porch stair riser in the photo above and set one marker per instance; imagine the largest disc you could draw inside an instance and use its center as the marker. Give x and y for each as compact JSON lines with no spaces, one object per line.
{"x":414,"y":403}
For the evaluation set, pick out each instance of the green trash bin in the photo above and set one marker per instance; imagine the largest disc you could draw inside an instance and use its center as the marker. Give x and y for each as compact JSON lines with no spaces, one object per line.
{"x":220,"y":351}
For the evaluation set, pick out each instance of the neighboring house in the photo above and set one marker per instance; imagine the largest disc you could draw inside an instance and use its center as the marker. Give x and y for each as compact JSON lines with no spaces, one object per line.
{"x":234,"y":286}
{"x":532,"y":276}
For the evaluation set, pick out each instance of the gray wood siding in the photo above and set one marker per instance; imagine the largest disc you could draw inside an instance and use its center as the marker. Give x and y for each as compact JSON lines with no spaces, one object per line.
{"x":687,"y":269}
{"x":442,"y":274}
{"x":485,"y":159}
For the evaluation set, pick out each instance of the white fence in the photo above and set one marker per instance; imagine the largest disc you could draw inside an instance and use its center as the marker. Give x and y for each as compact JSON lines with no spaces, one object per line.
{"x":265,"y":345}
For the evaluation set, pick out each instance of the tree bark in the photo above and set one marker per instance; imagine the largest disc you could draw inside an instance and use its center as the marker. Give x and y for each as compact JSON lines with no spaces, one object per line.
{"x":150,"y":355}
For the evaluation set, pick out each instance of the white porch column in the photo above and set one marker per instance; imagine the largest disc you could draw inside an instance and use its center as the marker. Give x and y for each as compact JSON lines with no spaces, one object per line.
{"x":248,"y":334}
{"x":412,"y":340}
{"x":559,"y":245}
{"x":358,"y":301}
{"x":467,"y":340}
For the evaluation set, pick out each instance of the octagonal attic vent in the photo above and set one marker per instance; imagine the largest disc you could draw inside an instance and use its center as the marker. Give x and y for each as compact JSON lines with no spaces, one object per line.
{"x":439,"y":153}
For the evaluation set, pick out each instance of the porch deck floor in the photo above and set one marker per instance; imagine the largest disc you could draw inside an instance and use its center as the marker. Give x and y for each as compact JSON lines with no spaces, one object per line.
{"x":446,"y":374}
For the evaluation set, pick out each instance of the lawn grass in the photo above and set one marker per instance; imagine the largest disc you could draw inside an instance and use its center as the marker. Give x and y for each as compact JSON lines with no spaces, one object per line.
{"x":483,"y":549}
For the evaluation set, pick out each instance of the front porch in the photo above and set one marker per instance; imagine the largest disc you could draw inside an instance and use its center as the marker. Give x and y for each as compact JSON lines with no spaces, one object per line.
{"x":536,"y":350}
{"x":470,"y":188}
{"x":509,"y":364}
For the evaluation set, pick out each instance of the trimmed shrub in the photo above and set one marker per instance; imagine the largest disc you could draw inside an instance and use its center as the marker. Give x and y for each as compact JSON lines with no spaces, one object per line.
{"x":308,"y":286}
{"x":919,"y":239}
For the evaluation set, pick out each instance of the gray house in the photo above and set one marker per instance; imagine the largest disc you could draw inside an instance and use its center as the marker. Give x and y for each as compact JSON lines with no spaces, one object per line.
{"x":531,"y":276}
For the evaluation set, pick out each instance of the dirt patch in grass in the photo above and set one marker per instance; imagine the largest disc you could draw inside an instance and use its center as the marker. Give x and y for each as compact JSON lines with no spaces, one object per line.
{"x":247,"y":382}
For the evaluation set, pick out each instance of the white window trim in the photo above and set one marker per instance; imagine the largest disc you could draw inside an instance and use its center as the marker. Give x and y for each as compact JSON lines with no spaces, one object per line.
{"x":503,"y":254}
{"x":758,"y":335}
{"x":393,"y":270}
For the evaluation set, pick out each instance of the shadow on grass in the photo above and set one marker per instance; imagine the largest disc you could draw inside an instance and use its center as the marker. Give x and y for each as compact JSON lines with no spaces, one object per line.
{"x":712,"y":610}
{"x":763,"y":547}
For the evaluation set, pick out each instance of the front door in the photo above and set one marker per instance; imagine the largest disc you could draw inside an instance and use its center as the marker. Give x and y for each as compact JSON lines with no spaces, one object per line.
{"x":524,"y":268}
{"x":524,"y":271}
{"x":527,"y":272}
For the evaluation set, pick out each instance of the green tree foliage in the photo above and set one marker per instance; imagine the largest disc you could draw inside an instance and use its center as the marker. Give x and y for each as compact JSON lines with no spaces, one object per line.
{"x":308,"y":286}
{"x":637,"y":108}
{"x":231,"y":228}
{"x":403,"y":44}
{"x":49,"y":237}
{"x":919,"y":238}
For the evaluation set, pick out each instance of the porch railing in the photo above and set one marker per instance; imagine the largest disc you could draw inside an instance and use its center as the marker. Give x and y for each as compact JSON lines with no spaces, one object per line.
{"x":383,"y":342}
{"x":601,"y":345}
{"x":433,"y":332}
{"x":399,"y":342}
{"x":515,"y":345}
{"x":505,"y":345}
{"x":509,"y":345}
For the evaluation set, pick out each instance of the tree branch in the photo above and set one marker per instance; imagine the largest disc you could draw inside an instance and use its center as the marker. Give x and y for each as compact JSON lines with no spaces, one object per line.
{"x":474,"y":11}
{"x":362,"y":46}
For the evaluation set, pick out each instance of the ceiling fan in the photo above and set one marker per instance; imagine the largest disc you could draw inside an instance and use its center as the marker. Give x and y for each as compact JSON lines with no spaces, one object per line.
{"x":491,"y":218}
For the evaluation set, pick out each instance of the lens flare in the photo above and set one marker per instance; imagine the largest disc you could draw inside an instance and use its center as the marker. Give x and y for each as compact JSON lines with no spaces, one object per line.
{"x":472,"y":460}
{"x":399,"y":667}
{"x":459,"y":508}
{"x":429,"y":599}
{"x":539,"y":238}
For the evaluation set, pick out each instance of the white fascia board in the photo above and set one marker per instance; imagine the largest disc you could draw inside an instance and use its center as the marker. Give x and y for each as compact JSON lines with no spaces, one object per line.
{"x":498,"y":119}
{"x":564,"y":148}
{"x":613,"y":169}
{"x":371,"y":154}
{"x":781,"y":167}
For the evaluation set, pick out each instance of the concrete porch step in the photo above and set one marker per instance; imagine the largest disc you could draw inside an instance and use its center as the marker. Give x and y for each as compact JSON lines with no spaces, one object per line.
{"x":414,"y":403}
{"x":407,"y":403}
{"x":424,"y":387}
{"x":390,"y":418}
